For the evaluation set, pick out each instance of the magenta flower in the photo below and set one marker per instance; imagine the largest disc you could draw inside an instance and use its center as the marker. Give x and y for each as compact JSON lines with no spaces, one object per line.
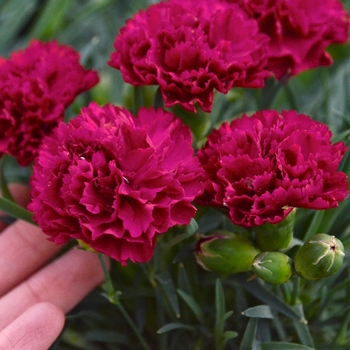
{"x":36,"y":85}
{"x":260,"y":167}
{"x":299,"y":31}
{"x":190,"y":48}
{"x":115,"y":181}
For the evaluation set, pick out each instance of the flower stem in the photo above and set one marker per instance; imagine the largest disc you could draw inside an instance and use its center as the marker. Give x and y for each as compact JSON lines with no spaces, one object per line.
{"x":5,"y":193}
{"x":16,"y":211}
{"x":113,"y":298}
{"x":295,"y":292}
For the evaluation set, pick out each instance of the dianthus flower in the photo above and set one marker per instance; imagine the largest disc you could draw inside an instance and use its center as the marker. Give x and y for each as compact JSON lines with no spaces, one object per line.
{"x":36,"y":85}
{"x":115,"y":181}
{"x":260,"y":167}
{"x":299,"y":31}
{"x":189,"y":49}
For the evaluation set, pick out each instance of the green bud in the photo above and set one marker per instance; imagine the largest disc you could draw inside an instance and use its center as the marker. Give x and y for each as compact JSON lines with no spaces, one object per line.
{"x":272,"y":237}
{"x":321,"y":256}
{"x":225,"y":253}
{"x":273,"y":267}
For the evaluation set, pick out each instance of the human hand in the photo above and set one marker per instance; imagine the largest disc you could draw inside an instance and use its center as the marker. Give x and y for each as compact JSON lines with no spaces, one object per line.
{"x":34,"y":293}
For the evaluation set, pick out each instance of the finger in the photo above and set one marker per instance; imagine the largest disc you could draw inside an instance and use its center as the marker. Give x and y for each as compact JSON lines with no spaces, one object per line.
{"x":23,"y":249}
{"x":21,"y":195}
{"x":64,"y":283}
{"x":35,"y":329}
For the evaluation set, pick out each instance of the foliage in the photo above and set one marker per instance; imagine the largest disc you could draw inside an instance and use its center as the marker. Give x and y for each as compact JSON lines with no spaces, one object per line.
{"x":174,"y":303}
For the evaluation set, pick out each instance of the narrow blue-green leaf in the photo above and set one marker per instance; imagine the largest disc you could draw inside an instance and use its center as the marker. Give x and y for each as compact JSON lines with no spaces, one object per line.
{"x":302,"y":328}
{"x":266,"y":296}
{"x":260,"y":311}
{"x":219,"y":302}
{"x":249,"y":335}
{"x":221,"y":315}
{"x":190,"y":230}
{"x":284,"y":346}
{"x":192,"y":227}
{"x":228,"y":335}
{"x":15,"y":210}
{"x":183,"y":280}
{"x":193,"y":305}
{"x":170,"y":291}
{"x":174,"y":325}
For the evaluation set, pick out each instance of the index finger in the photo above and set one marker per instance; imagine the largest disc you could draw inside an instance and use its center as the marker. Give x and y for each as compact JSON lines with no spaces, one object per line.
{"x":23,"y":250}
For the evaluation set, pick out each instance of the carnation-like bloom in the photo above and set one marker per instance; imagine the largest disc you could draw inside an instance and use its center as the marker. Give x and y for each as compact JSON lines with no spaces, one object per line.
{"x":260,"y":167}
{"x":299,"y":31}
{"x":116,"y":181}
{"x":36,"y":85}
{"x":189,"y":48}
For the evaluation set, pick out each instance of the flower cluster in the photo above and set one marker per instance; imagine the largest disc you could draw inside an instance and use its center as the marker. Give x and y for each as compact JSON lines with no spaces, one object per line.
{"x":299,"y":31}
{"x":36,"y":85}
{"x":115,"y":181}
{"x":260,"y":167}
{"x":191,"y":48}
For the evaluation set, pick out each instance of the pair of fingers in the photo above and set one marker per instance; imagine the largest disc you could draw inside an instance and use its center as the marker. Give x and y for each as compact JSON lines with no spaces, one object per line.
{"x":35,"y":294}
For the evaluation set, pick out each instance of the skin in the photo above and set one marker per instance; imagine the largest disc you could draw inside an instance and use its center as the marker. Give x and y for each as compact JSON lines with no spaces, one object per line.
{"x":34,"y":292}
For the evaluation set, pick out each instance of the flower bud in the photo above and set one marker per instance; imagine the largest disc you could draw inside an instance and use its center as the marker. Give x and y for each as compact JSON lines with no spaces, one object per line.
{"x":272,"y":237}
{"x":321,"y":256}
{"x":225,"y":253}
{"x":273,"y":267}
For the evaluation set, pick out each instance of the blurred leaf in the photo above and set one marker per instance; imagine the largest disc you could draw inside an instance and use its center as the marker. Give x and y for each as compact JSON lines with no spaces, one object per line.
{"x":168,"y":286}
{"x":266,"y":296}
{"x":221,"y":317}
{"x":51,"y":19}
{"x":193,"y":305}
{"x":13,"y":16}
{"x":249,"y":335}
{"x":260,"y":311}
{"x":302,"y":328}
{"x":284,"y":346}
{"x":175,"y":325}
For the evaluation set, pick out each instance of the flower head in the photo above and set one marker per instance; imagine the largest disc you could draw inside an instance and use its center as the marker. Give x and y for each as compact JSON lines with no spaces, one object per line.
{"x":260,"y":167}
{"x":36,"y":85}
{"x":190,"y":48}
{"x":299,"y":31}
{"x":115,"y":181}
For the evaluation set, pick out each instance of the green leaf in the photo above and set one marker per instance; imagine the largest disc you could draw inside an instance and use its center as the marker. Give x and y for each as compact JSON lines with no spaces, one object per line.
{"x":174,"y":325}
{"x":192,"y":227}
{"x":221,"y":316}
{"x":190,"y":230}
{"x":249,"y":335}
{"x":13,"y":15}
{"x":284,"y":346}
{"x":193,"y":305}
{"x":260,"y":311}
{"x":229,"y":335}
{"x":302,"y":328}
{"x":262,"y":293}
{"x":169,"y":288}
{"x":51,"y":19}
